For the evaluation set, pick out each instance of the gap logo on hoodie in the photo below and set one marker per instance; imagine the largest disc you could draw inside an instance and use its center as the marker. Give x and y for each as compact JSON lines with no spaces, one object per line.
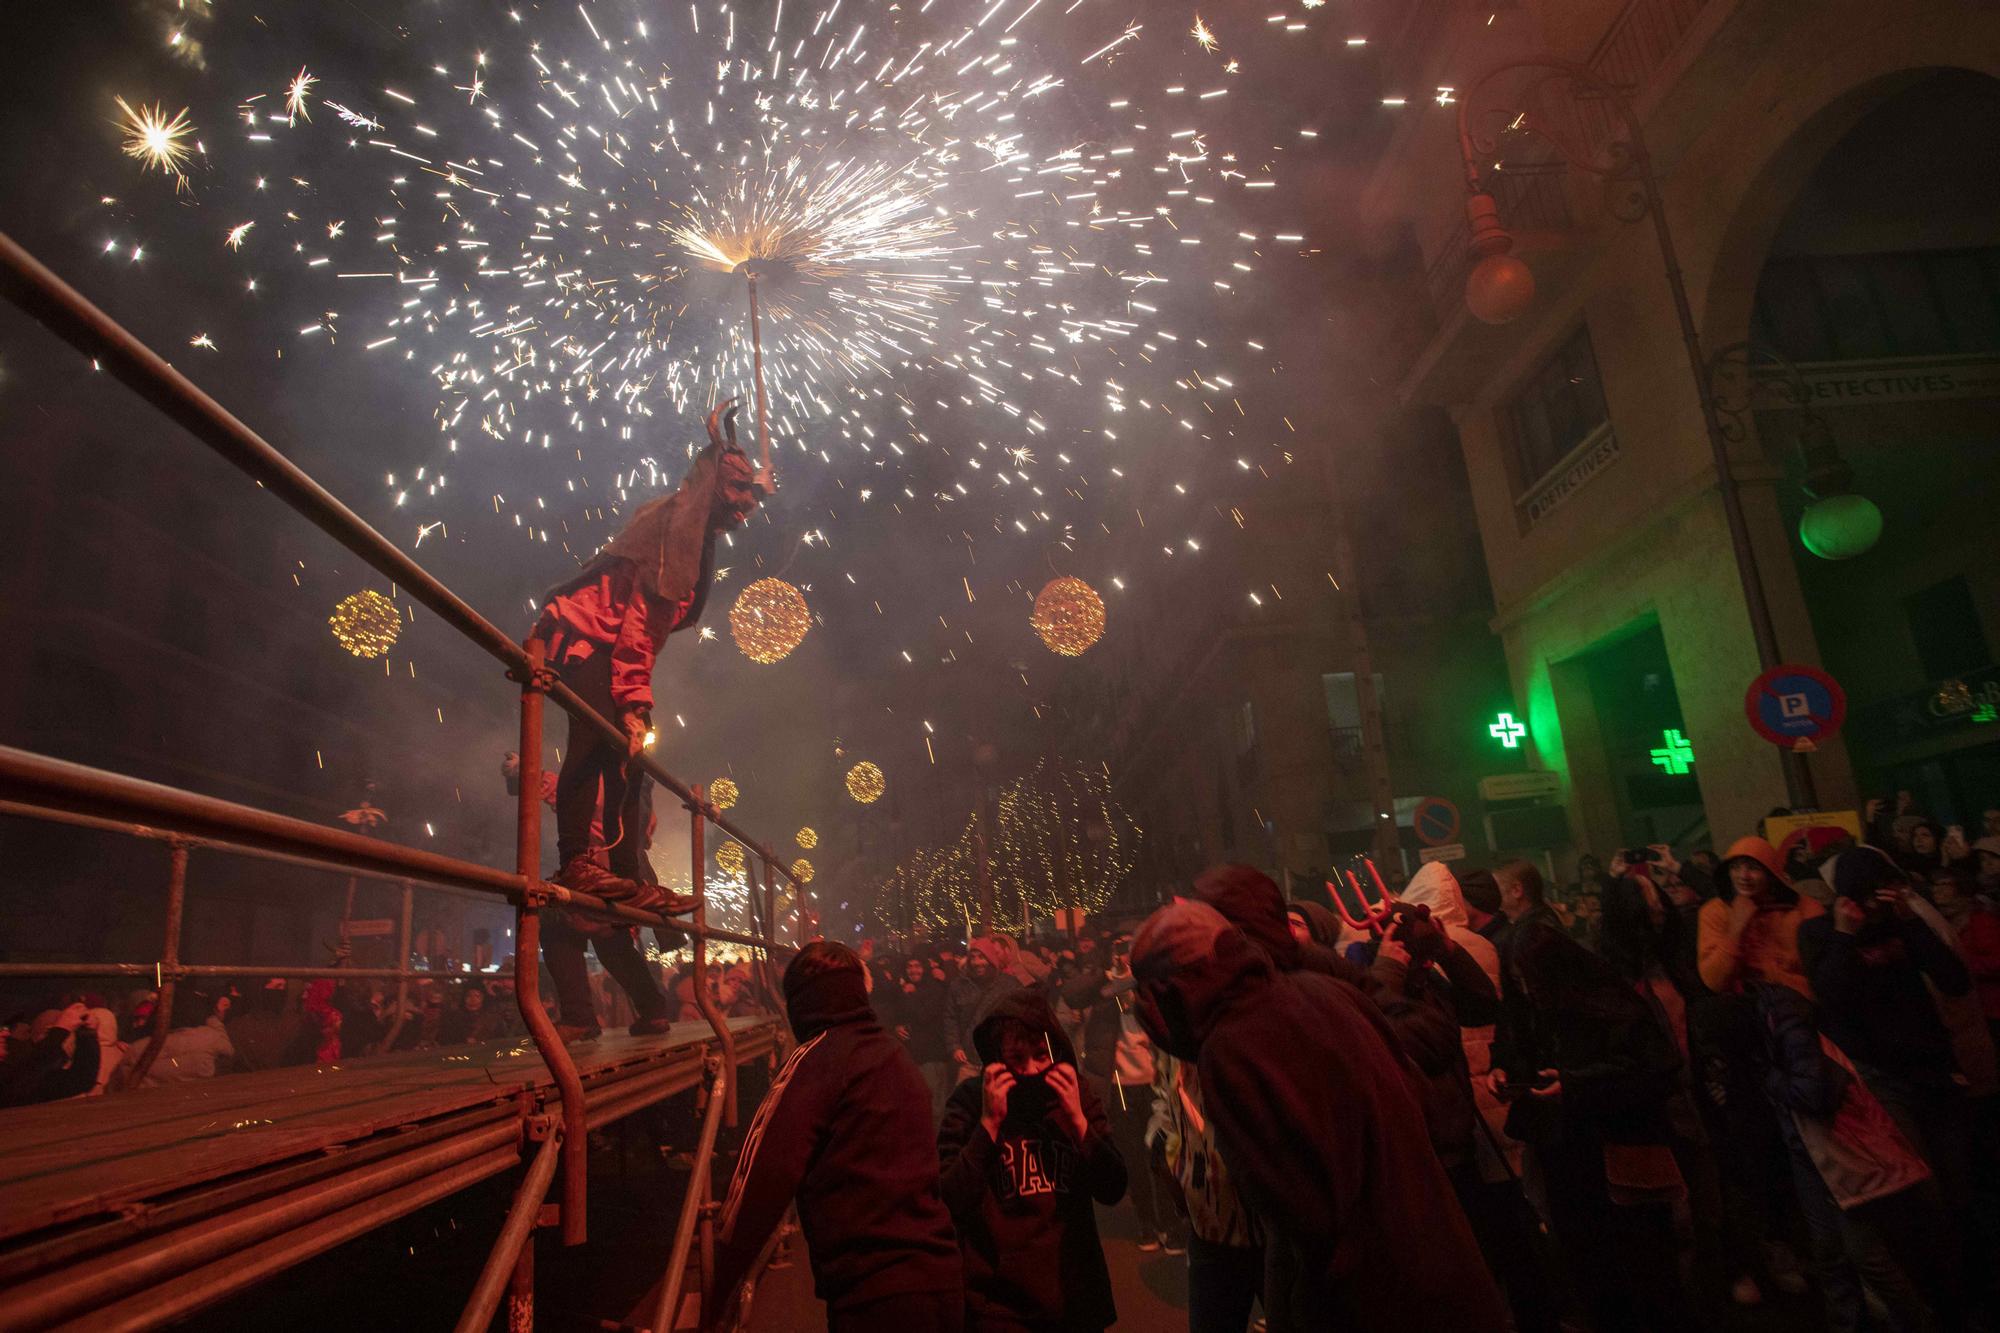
{"x":1028,"y":1167}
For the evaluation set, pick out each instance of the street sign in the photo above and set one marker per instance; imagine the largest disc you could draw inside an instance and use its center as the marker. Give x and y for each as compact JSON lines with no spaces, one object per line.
{"x":1451,"y":851}
{"x":1436,"y":821}
{"x":378,"y":925}
{"x":1793,"y":703}
{"x":1520,"y":786}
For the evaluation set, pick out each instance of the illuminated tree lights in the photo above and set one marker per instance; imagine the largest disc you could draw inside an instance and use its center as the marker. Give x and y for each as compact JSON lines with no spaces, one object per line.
{"x":366,"y":624}
{"x":1069,"y":616}
{"x":802,"y":871}
{"x":722,"y":793}
{"x":729,"y":857}
{"x":865,"y":783}
{"x":1058,"y":841}
{"x":808,"y":839}
{"x":769,"y":620}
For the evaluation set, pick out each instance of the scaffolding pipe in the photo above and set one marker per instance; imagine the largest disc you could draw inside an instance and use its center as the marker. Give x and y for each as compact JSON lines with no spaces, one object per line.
{"x":89,"y":1284}
{"x":70,"y":316}
{"x":535,"y":678}
{"x":518,"y":1230}
{"x":703,"y":999}
{"x":170,"y":957}
{"x":692,"y":1206}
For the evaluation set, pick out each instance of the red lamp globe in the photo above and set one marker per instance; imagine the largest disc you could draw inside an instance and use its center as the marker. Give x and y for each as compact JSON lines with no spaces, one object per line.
{"x":1499,"y":289}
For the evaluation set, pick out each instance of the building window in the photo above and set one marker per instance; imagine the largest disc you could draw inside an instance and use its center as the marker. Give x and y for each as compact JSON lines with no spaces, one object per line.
{"x":1559,"y":407}
{"x":1864,"y":307}
{"x":1944,"y":624}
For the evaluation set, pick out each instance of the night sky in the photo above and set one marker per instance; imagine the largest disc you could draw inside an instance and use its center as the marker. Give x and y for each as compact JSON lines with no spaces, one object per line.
{"x":1099,"y":288}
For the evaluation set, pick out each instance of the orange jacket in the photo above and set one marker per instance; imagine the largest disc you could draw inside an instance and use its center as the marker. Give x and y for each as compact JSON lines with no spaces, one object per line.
{"x":1768,"y":948}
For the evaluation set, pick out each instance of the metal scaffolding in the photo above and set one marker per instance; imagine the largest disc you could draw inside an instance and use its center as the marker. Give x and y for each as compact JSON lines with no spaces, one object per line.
{"x":154,"y":1259}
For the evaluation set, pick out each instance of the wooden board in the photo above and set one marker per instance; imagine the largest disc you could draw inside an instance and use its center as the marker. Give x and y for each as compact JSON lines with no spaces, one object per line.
{"x":75,"y":1159}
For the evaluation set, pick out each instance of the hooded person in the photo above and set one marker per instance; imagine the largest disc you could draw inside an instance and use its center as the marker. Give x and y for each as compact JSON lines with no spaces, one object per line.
{"x":1749,"y":931}
{"x":967,"y":994}
{"x":846,"y":1131}
{"x":1251,"y":901}
{"x":604,"y":627}
{"x":1435,"y":887}
{"x":1023,"y":1150}
{"x":1315,"y":1115}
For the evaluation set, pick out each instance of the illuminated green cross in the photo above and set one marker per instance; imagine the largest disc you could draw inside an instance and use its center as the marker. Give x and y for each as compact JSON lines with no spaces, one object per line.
{"x":1507,"y":731}
{"x":1676,"y":756}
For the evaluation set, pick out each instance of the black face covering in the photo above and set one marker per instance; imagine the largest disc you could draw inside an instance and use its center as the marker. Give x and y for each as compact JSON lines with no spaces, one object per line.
{"x":1031,"y":1098}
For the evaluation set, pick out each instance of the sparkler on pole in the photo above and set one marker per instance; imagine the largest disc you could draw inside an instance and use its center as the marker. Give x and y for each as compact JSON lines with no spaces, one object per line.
{"x":751,"y":269}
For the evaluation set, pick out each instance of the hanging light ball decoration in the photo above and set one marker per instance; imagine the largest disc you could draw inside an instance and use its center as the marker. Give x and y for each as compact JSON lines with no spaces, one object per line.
{"x":1840,"y":527}
{"x":802,"y":871}
{"x":722,"y":793}
{"x":366,"y":624}
{"x":729,"y":858}
{"x":865,"y":783}
{"x":1499,"y":288}
{"x":808,"y":839}
{"x":769,"y":620}
{"x":1069,"y":616}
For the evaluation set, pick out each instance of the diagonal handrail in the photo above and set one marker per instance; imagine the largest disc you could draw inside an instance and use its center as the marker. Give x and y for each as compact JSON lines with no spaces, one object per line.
{"x":71,"y":316}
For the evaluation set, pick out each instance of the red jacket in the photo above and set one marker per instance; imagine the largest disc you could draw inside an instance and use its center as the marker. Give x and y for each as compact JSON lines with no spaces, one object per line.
{"x":610,"y":613}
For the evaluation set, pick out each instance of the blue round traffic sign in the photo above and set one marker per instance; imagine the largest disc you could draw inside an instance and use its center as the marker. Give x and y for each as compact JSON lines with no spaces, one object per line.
{"x":1793,"y":703}
{"x":1436,"y":821}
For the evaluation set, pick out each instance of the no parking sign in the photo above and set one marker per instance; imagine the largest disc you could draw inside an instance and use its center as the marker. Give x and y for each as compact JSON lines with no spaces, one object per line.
{"x":1436,"y":821}
{"x":1795,"y":706}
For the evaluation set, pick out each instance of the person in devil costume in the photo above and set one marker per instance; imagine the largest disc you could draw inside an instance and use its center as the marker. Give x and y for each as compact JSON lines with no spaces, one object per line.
{"x":604,"y":627}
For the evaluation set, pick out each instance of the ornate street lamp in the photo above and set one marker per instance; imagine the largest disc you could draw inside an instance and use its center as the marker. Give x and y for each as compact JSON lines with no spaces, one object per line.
{"x":1495,"y":287}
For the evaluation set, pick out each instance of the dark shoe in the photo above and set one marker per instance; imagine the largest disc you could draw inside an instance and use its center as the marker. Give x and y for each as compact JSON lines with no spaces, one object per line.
{"x":650,"y":1027}
{"x":580,"y":874}
{"x":572,"y":1033}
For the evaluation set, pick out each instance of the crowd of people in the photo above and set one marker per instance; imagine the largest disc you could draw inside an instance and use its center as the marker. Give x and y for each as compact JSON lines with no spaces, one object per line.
{"x":1487,"y":1104}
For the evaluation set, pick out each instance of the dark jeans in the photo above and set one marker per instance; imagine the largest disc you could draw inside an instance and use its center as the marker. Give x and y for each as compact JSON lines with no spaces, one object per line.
{"x":1128,"y":1135}
{"x":562,"y":951}
{"x":1509,"y":1236}
{"x":594,"y":764}
{"x":1223,"y":1283}
{"x":1622,"y":1256}
{"x":1851,"y":1248}
{"x":912,"y":1312}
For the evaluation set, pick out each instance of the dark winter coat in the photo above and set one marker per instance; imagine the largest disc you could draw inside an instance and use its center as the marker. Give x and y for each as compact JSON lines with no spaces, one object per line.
{"x":1872,"y":997}
{"x":1023,"y":1205}
{"x":1617,"y":1064}
{"x":1318,"y":1121}
{"x":46,"y":1072}
{"x":921,"y":1010}
{"x":846,"y":1127}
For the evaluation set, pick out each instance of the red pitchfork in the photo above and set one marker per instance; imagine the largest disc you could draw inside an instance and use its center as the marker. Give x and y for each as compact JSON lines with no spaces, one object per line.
{"x":1374,"y":915}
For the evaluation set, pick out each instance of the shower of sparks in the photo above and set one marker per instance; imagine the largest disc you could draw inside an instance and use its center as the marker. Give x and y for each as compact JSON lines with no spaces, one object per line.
{"x":1010,"y":271}
{"x":155,"y":139}
{"x":295,"y":97}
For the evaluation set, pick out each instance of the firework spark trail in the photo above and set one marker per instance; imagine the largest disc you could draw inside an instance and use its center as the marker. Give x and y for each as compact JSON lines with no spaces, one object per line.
{"x":980,"y":222}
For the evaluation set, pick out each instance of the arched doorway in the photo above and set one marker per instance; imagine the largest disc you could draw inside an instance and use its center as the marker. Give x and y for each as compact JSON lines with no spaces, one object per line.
{"x":1881,"y":283}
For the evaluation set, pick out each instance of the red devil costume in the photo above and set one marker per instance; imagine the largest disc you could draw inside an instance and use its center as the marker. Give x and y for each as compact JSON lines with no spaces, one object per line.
{"x":604,"y":628}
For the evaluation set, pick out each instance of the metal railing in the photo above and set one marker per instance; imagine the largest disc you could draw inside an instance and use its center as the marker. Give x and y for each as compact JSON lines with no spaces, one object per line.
{"x":35,"y":786}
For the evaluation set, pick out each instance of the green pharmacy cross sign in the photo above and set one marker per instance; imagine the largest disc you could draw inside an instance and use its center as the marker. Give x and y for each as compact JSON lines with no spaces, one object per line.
{"x":1674,"y":755}
{"x":1507,"y":731}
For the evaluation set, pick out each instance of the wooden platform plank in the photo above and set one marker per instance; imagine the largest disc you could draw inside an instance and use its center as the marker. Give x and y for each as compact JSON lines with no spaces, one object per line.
{"x":75,"y":1159}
